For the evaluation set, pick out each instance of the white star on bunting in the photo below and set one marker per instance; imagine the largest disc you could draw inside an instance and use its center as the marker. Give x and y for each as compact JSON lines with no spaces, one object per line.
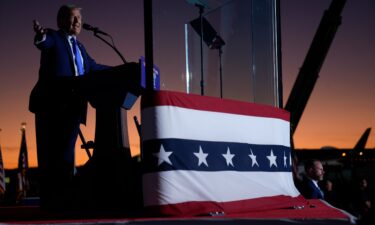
{"x":201,"y":157}
{"x":272,"y":159}
{"x":285,"y":158}
{"x":163,"y":156}
{"x":228,"y":157}
{"x":253,"y":159}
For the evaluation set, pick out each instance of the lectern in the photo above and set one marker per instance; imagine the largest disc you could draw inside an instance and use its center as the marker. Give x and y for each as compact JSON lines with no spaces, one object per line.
{"x":106,"y":181}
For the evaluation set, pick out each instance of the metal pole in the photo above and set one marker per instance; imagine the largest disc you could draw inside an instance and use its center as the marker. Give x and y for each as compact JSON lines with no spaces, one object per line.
{"x":201,"y":10}
{"x":221,"y":72}
{"x":149,"y":58}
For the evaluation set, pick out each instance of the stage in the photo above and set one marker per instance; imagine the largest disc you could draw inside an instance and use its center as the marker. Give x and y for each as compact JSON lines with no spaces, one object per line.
{"x":317,"y":212}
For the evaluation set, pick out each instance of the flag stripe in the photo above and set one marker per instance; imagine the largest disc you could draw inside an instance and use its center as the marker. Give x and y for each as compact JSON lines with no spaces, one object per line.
{"x":182,"y":186}
{"x":278,"y":207}
{"x":181,"y":123}
{"x":207,"y":103}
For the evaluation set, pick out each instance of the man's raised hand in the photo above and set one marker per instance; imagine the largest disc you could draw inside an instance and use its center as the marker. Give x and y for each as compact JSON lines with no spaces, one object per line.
{"x":38,"y":29}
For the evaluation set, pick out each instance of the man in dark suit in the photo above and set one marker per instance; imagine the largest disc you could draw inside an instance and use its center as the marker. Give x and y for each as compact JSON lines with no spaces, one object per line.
{"x":314,"y":173}
{"x":58,"y":109}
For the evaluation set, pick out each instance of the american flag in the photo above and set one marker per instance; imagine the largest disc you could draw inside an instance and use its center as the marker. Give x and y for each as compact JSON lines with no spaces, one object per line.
{"x":2,"y":175}
{"x":204,"y":155}
{"x":23,"y":165}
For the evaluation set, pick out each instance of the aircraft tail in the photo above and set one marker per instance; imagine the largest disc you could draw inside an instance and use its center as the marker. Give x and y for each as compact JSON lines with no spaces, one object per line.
{"x":361,"y":144}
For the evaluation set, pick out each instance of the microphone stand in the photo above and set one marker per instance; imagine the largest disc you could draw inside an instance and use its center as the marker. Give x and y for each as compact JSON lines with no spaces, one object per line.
{"x":111,"y":45}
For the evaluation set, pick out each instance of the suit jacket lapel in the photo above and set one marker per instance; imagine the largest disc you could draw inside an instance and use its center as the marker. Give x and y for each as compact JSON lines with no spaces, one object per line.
{"x":68,"y":50}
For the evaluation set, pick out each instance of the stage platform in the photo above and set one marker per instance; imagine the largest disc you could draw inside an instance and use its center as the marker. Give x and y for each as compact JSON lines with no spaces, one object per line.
{"x":318,"y":213}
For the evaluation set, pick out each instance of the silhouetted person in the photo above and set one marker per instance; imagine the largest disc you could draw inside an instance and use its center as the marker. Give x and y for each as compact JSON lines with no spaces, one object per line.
{"x":314,"y":173}
{"x":296,"y":175}
{"x":330,"y":195}
{"x":362,"y":200}
{"x":58,"y":110}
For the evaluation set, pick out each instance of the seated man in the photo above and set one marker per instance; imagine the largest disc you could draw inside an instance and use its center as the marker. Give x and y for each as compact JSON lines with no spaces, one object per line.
{"x":314,"y":173}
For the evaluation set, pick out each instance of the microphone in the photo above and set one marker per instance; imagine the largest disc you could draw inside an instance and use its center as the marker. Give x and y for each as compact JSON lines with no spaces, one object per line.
{"x":95,"y":29}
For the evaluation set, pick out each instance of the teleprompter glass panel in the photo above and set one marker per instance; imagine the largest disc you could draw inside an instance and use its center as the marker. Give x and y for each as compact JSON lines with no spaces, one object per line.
{"x":235,"y":58}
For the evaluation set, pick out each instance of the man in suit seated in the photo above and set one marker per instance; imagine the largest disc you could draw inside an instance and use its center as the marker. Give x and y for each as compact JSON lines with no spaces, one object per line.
{"x":314,"y":173}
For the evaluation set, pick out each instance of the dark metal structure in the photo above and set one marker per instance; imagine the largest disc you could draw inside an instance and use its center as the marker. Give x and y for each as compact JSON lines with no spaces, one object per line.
{"x":314,"y":60}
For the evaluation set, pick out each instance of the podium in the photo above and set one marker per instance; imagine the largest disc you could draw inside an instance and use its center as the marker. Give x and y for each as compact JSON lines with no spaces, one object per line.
{"x":106,"y":181}
{"x":108,"y":91}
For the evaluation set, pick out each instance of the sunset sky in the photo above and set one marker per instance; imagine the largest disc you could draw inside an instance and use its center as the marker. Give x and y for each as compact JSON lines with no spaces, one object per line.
{"x":340,"y":108}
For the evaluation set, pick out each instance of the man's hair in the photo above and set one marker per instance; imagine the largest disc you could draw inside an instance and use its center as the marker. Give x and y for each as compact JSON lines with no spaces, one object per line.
{"x":310,"y":163}
{"x":63,"y":12}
